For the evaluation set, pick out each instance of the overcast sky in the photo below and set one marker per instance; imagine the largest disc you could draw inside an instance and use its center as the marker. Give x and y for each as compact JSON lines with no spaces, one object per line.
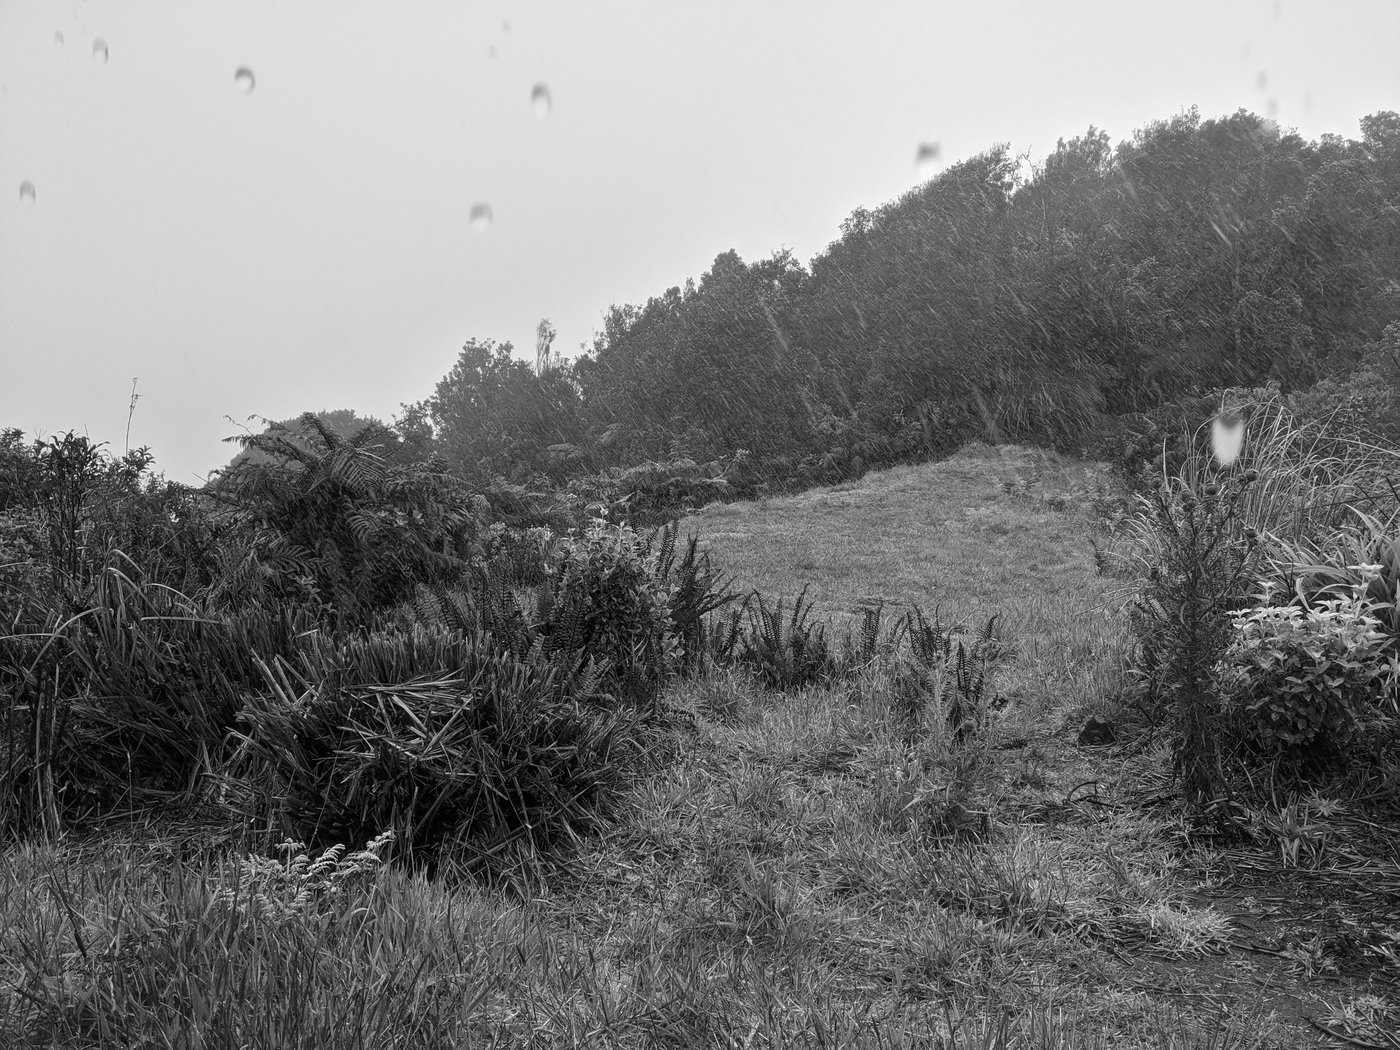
{"x":303,"y":239}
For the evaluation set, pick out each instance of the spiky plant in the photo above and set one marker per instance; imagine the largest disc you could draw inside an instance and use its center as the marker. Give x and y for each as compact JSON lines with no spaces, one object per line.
{"x":1183,"y":620}
{"x":449,"y":739}
{"x":786,"y":655}
{"x":697,"y":591}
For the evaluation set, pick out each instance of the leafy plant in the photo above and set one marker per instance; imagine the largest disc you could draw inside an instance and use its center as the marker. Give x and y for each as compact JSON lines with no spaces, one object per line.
{"x":929,"y":641}
{"x":952,"y":672}
{"x":1303,"y":682}
{"x":612,"y":602}
{"x":1365,"y":557}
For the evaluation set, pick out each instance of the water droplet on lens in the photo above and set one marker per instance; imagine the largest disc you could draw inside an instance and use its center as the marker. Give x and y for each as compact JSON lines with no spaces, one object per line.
{"x":26,"y":192}
{"x":505,"y":26}
{"x":492,"y":51}
{"x":1273,"y":107}
{"x":1262,"y":80}
{"x":481,"y":217}
{"x":540,"y":101}
{"x":926,"y":160}
{"x":58,"y":37}
{"x":1227,"y":435}
{"x":244,"y":79}
{"x":99,"y":51}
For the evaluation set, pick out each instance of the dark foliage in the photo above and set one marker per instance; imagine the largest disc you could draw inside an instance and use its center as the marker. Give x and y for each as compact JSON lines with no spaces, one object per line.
{"x":445,"y":737}
{"x":345,"y":523}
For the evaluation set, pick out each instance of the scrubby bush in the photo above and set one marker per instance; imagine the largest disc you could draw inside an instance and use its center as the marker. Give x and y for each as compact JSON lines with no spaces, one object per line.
{"x":342,"y":520}
{"x":655,"y":490}
{"x":449,"y":739}
{"x":1207,"y":566}
{"x":609,"y":600}
{"x":1303,"y":684}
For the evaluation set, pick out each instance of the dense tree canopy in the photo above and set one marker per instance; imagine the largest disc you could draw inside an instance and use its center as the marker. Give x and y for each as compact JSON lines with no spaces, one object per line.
{"x":1196,"y":254}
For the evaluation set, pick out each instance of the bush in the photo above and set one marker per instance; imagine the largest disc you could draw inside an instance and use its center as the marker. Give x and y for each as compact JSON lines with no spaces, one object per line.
{"x":654,"y":490}
{"x":445,"y":738}
{"x":1208,"y":565}
{"x":354,"y":522}
{"x":610,"y":601}
{"x":1307,"y":683}
{"x":135,"y":692}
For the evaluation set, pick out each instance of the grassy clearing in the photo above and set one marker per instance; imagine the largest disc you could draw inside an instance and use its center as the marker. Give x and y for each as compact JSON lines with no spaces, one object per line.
{"x":797,"y":870}
{"x":991,"y":531}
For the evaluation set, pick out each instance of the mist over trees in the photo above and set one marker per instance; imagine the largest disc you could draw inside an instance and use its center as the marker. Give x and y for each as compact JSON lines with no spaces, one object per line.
{"x":1048,"y":308}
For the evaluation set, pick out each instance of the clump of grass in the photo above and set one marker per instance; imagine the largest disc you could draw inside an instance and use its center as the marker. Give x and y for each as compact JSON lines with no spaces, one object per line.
{"x":499,"y":751}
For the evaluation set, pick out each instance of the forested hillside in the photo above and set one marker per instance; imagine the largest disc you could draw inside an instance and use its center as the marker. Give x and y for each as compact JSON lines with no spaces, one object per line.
{"x":1056,"y":309}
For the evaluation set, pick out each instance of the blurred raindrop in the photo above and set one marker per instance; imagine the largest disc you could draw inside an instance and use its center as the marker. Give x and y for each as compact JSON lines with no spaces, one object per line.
{"x":244,"y":80}
{"x":926,"y":160}
{"x":492,"y":51}
{"x":99,"y":51}
{"x":505,"y":26}
{"x":1273,"y":107}
{"x":1278,"y":9}
{"x":481,"y":217}
{"x":57,"y":37}
{"x":1227,"y":435}
{"x":541,"y":102}
{"x":26,"y":192}
{"x":1262,"y":80}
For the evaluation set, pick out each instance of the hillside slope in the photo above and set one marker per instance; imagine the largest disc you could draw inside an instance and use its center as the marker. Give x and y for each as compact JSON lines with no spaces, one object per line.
{"x":989,"y":531}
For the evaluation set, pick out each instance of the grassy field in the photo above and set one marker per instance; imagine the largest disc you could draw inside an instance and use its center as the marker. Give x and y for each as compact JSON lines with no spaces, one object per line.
{"x":796,"y":870}
{"x":992,"y":531}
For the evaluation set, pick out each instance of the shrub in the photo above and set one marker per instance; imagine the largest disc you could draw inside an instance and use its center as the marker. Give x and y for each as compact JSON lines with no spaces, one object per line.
{"x":445,"y":738}
{"x":136,"y":692}
{"x":610,"y":601}
{"x":1306,"y":683}
{"x":352,"y":521}
{"x":1207,"y":566}
{"x":654,"y":490}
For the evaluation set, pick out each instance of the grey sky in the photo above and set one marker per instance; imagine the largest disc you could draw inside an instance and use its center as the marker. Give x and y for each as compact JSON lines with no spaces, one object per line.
{"x":308,"y":244}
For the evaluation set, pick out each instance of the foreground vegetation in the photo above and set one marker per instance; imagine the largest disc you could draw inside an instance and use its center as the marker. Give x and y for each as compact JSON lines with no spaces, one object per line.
{"x":531,"y":788}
